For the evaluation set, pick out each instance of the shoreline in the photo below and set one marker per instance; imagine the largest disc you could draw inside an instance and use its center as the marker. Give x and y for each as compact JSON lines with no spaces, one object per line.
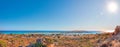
{"x":52,"y":32}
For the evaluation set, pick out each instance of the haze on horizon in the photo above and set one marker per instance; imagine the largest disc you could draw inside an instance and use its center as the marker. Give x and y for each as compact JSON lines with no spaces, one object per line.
{"x":59,"y":14}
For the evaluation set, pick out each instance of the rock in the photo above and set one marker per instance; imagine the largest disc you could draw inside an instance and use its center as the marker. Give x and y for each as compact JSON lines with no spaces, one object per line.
{"x":117,"y":30}
{"x":20,"y":46}
{"x":50,"y":45}
{"x":104,"y":45}
{"x":113,"y":41}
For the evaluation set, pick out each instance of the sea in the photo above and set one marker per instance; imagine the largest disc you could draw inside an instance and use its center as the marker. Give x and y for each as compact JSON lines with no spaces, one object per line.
{"x":52,"y":32}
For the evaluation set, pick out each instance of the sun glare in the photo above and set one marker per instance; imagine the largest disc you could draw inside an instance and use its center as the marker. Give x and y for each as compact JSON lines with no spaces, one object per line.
{"x":112,"y":7}
{"x":110,"y":31}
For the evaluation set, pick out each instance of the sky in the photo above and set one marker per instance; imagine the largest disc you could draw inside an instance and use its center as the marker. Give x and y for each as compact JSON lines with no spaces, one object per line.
{"x":57,"y":15}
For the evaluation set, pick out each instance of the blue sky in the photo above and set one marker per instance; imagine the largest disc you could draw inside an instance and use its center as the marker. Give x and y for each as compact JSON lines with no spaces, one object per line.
{"x":56,"y":15}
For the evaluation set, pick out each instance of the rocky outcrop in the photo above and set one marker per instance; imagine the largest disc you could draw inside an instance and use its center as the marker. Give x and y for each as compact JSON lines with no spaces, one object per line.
{"x":113,"y":41}
{"x":117,"y":30}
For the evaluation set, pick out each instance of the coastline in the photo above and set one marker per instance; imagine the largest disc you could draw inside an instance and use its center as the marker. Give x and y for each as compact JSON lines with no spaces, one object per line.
{"x":52,"y":32}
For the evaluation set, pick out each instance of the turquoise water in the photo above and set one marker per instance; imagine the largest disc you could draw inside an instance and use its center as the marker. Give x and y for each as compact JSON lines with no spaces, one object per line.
{"x":50,"y":32}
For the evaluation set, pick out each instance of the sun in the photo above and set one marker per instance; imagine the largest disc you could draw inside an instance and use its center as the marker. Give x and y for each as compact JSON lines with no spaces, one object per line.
{"x":112,"y":7}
